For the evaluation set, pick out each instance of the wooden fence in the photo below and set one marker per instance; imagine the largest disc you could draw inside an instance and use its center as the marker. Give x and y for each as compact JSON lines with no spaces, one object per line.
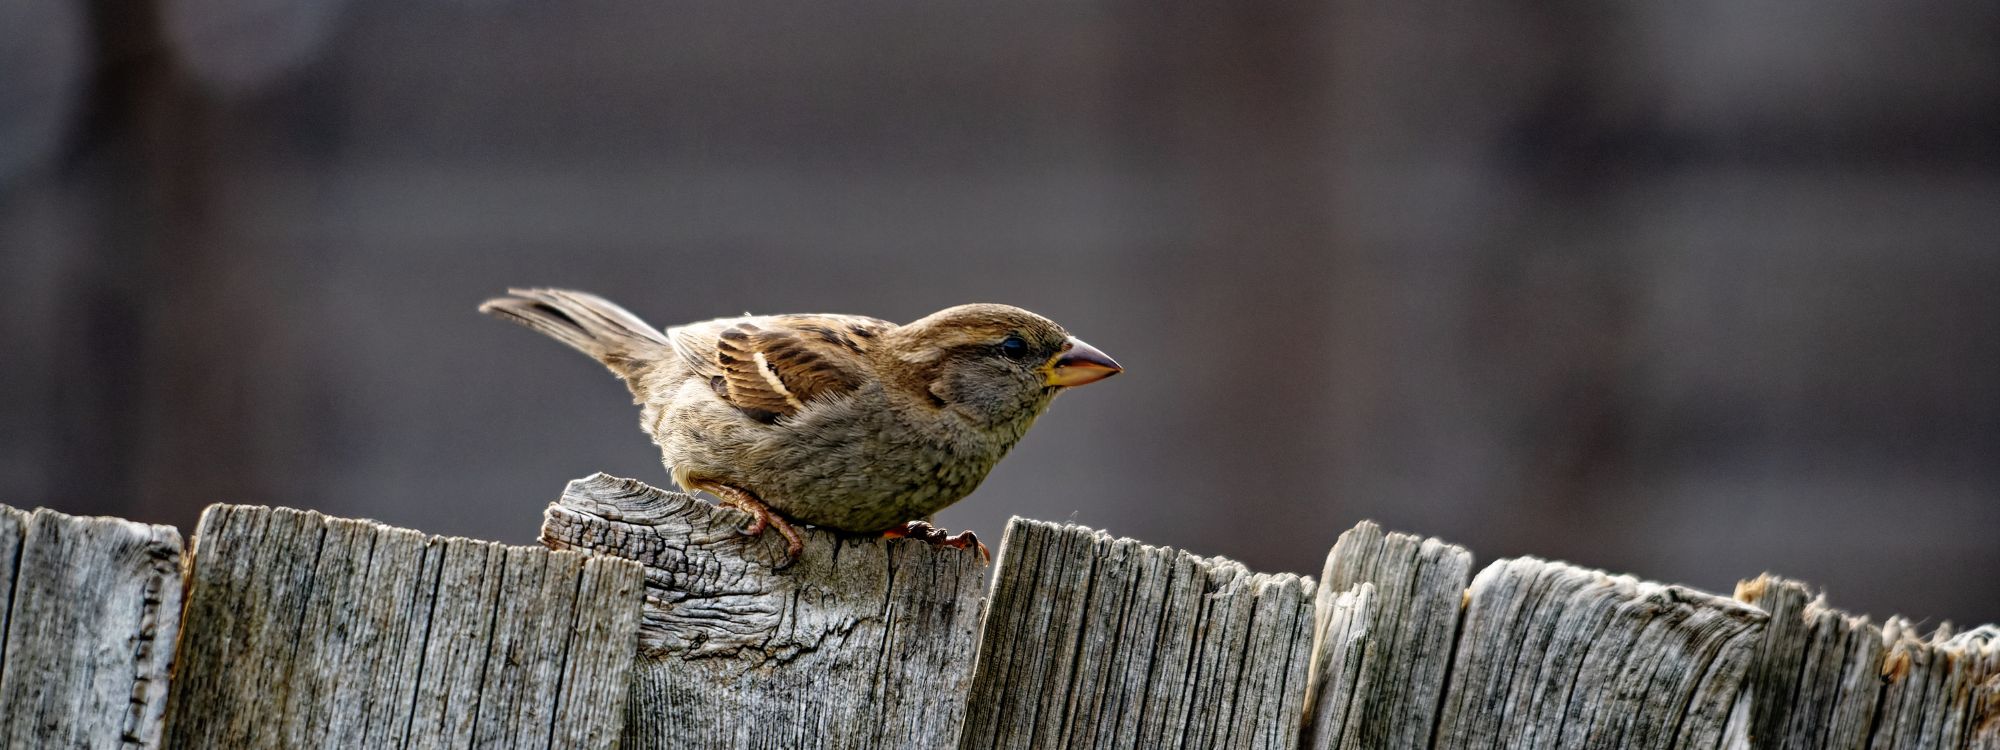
{"x":285,"y":628}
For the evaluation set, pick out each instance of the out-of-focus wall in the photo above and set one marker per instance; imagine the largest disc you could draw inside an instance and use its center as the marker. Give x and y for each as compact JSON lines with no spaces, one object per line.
{"x":1692,"y":290}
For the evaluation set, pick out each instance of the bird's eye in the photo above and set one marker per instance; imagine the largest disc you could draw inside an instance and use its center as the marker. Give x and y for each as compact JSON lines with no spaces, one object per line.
{"x":1013,"y":347}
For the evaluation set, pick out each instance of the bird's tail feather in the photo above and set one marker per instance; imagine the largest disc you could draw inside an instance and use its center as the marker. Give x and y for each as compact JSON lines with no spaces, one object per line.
{"x":586,"y":322}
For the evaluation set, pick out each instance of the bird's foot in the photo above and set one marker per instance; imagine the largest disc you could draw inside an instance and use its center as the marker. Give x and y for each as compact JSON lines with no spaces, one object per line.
{"x":761,"y":518}
{"x":926,"y":532}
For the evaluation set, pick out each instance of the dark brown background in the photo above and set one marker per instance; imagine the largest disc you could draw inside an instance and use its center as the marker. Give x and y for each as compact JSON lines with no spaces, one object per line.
{"x":1690,"y":290}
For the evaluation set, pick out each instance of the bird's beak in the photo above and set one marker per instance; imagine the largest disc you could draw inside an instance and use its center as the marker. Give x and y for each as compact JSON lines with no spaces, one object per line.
{"x":1080,"y":363}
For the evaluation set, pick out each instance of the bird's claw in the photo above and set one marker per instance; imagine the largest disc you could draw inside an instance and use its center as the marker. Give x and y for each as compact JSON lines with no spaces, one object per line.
{"x":762,"y":518}
{"x":794,"y":543}
{"x":922,"y":530}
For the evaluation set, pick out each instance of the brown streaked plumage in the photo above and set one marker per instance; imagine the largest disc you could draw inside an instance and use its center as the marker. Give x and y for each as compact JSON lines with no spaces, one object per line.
{"x":840,"y":421}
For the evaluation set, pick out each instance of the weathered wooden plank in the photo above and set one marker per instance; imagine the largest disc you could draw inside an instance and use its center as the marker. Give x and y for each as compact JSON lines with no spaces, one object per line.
{"x":1937,"y":691}
{"x":1095,"y":642}
{"x":309,"y":631}
{"x":1552,"y":655}
{"x":1417,"y":587}
{"x":466,"y":590}
{"x":90,"y":620}
{"x":862,"y":643}
{"x":1824,"y":679}
{"x":1341,"y":645}
{"x":1836,"y":708}
{"x":1816,"y":676}
{"x":1774,"y":683}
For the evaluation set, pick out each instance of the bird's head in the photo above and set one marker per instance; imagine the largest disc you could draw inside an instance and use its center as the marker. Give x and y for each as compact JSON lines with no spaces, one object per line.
{"x":996,"y":365}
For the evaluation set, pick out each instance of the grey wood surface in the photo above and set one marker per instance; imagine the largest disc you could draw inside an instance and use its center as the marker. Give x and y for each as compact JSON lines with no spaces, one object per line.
{"x":1411,"y":623}
{"x":308,"y":631}
{"x":1826,"y":679}
{"x":862,"y":643}
{"x":1555,"y":656}
{"x":1096,"y":642}
{"x":1342,"y":641}
{"x":1938,"y":691}
{"x":90,"y":611}
{"x":1817,"y":674}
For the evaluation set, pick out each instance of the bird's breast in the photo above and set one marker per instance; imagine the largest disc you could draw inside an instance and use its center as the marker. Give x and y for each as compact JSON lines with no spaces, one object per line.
{"x":862,"y":464}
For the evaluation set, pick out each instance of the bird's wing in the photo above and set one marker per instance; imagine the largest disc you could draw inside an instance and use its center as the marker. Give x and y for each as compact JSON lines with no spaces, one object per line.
{"x":772,"y":366}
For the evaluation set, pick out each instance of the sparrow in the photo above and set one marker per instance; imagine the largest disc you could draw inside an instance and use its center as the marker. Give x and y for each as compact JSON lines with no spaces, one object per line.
{"x":844,"y":422}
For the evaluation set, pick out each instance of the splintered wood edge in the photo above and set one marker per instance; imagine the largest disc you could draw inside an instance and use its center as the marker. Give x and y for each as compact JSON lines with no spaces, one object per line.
{"x":1213,"y":562}
{"x":1777,"y":670}
{"x":1858,"y":661}
{"x":1939,"y":690}
{"x":1828,"y":674}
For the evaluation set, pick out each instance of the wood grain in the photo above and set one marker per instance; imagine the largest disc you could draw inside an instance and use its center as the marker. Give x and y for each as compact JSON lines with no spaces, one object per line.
{"x":1096,"y":642}
{"x":1817,"y":674}
{"x":1555,"y":656}
{"x":862,"y":643}
{"x":90,"y":615}
{"x":1342,"y":641}
{"x":302,"y":630}
{"x":309,"y":631}
{"x":1938,"y":690}
{"x":1403,"y":644}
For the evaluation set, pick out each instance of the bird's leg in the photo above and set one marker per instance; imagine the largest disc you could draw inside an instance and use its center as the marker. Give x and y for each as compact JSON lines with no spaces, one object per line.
{"x":762,"y":517}
{"x":925,"y":531}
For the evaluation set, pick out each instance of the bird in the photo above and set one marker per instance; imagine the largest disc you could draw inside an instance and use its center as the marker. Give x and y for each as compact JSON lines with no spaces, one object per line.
{"x":844,"y":422}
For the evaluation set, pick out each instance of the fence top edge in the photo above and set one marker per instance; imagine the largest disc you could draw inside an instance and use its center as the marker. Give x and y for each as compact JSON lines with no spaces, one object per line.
{"x":156,"y":532}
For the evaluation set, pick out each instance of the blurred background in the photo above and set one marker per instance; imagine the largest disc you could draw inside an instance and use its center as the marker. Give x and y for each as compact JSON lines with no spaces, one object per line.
{"x":1688,"y":290}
